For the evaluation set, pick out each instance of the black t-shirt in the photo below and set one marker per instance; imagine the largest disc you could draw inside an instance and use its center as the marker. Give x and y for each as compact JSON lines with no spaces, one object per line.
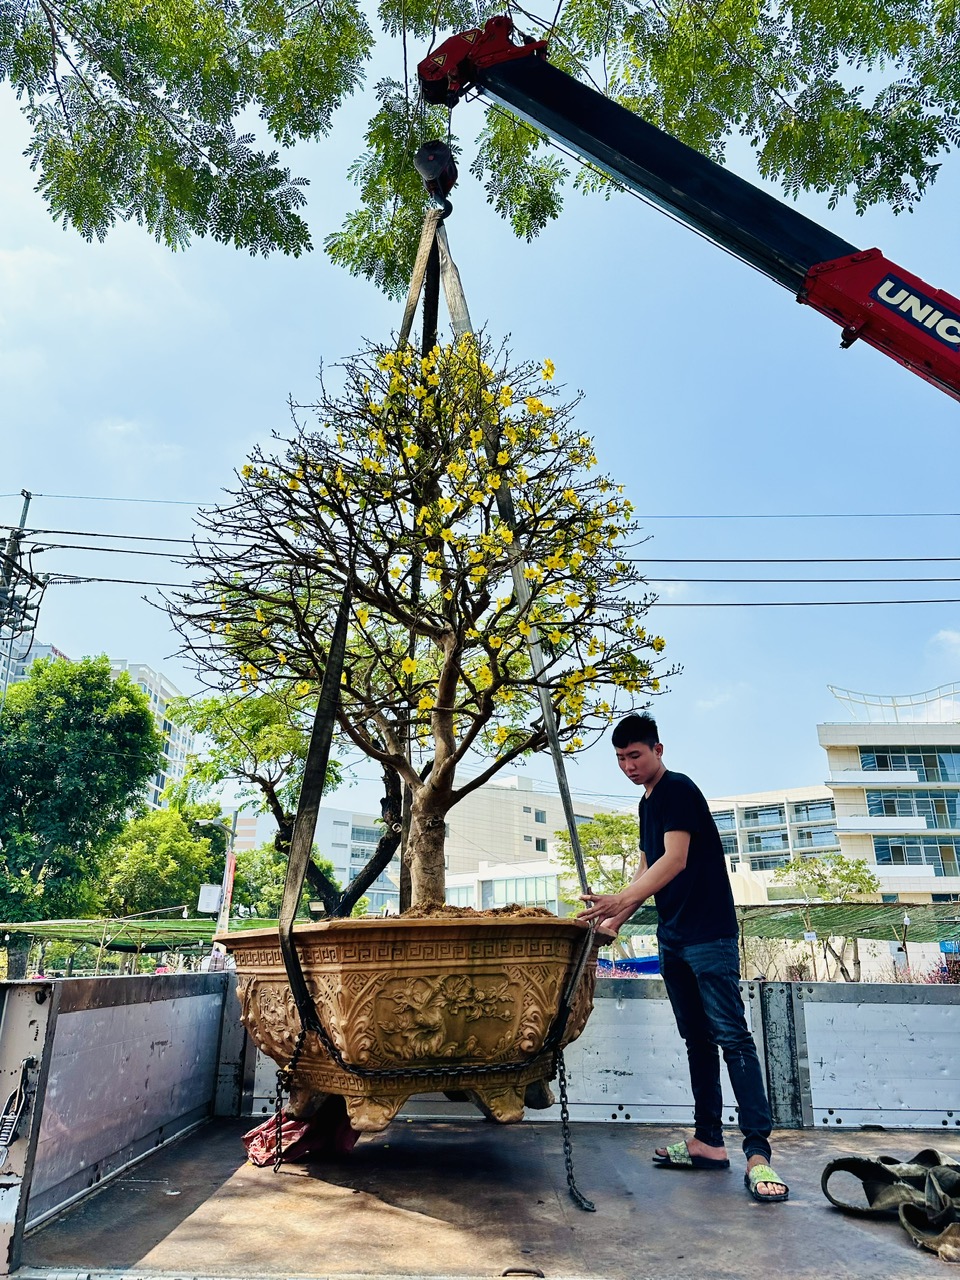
{"x":697,"y":904}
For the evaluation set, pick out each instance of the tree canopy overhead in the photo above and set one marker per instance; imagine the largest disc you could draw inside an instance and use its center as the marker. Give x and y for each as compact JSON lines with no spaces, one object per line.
{"x":140,"y":110}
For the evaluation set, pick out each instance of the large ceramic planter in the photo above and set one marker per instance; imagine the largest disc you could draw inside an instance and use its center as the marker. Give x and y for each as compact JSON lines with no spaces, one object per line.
{"x":420,"y":995}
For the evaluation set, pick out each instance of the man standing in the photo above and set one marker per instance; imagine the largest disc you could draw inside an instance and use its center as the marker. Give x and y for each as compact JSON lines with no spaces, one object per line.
{"x":683,"y":867}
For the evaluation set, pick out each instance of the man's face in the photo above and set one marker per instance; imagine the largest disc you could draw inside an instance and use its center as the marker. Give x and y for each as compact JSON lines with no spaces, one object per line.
{"x":639,"y":762}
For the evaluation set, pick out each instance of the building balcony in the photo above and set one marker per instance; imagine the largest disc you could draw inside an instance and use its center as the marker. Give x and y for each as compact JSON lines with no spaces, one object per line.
{"x":864,"y":824}
{"x":871,"y":777}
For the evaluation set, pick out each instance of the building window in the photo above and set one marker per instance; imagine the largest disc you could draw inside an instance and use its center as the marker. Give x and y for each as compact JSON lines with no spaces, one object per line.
{"x":767,"y":841}
{"x":729,"y":844}
{"x":539,"y":891}
{"x":918,"y":851}
{"x":461,"y":895}
{"x":768,"y":815}
{"x":527,"y":809}
{"x":528,"y":839}
{"x":889,"y":897}
{"x":814,"y":811}
{"x":366,"y":835}
{"x":941,"y":809}
{"x":768,"y":863}
{"x":817,"y":838}
{"x":539,"y":815}
{"x":541,"y":846}
{"x":726,"y":820}
{"x":931,"y":764}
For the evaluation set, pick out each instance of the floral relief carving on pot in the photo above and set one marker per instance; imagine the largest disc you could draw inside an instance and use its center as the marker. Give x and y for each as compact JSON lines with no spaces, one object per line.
{"x":434,"y":996}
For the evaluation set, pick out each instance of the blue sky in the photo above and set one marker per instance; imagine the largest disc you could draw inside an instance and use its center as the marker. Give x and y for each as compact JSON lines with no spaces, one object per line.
{"x":727,"y":411}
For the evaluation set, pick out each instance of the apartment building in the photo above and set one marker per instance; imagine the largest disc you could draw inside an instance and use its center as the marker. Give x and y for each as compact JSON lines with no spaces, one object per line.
{"x":894,"y":772}
{"x":178,"y":742}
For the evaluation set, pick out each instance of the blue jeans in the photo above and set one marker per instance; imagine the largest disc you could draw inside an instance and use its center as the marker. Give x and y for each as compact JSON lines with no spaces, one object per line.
{"x":702,"y":983}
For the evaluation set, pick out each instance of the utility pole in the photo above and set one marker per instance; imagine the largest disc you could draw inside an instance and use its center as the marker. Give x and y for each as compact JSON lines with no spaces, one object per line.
{"x":11,"y":558}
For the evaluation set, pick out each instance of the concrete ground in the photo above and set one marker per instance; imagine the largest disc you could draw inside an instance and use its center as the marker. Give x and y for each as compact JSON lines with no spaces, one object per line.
{"x":471,"y":1199}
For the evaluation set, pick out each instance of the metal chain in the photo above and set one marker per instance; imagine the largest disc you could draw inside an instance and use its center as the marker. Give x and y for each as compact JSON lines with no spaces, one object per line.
{"x":576,"y":1195}
{"x":552,"y":1040}
{"x":284,"y":1076}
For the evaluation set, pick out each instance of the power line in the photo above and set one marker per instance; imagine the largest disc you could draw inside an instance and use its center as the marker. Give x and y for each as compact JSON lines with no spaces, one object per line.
{"x":145,"y":537}
{"x":659,"y":604}
{"x":166,"y":555}
{"x":92,"y":497}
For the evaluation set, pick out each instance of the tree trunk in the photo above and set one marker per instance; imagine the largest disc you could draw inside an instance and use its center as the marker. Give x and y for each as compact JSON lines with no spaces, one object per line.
{"x":856,"y":960}
{"x":425,"y":848}
{"x":18,"y":952}
{"x":838,"y":957}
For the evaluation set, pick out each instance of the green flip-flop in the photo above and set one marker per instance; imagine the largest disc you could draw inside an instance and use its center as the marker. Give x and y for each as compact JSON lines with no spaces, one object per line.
{"x":679,"y":1156}
{"x":763,"y":1173}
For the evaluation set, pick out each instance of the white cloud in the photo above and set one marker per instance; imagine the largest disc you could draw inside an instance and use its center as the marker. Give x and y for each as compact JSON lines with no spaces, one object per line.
{"x":721,"y":697}
{"x":126,"y":441}
{"x":947,"y":640}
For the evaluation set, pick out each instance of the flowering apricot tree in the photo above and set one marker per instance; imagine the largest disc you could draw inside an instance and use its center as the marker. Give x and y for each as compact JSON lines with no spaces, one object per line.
{"x":387,"y":489}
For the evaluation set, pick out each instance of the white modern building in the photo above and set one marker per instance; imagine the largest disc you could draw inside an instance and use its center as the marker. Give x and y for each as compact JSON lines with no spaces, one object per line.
{"x":894,"y":771}
{"x":18,"y":654}
{"x":178,"y":743}
{"x":511,"y":819}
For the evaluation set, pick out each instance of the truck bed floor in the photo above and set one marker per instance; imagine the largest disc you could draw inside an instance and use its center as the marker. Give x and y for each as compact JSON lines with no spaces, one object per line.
{"x":470,"y":1199}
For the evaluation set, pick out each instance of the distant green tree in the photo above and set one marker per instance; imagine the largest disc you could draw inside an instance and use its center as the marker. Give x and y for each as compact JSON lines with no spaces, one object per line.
{"x":76,"y":750}
{"x":611,"y":852}
{"x":831,"y":878}
{"x":136,"y":109}
{"x":155,"y":862}
{"x":260,"y":739}
{"x":259,"y":882}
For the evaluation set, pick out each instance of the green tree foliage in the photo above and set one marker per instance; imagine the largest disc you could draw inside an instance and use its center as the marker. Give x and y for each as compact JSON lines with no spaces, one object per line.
{"x":260,"y":739}
{"x":259,"y":882}
{"x":611,"y":852}
{"x":831,"y":878}
{"x":257,"y":738}
{"x":135,"y":107}
{"x":155,"y":863}
{"x":76,"y":748}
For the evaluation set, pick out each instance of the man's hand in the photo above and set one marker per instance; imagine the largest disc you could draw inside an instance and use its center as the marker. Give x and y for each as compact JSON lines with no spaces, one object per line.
{"x":610,"y":910}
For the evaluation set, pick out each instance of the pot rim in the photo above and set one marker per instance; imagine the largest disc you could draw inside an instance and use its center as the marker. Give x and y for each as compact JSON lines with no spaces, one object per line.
{"x":396,"y":924}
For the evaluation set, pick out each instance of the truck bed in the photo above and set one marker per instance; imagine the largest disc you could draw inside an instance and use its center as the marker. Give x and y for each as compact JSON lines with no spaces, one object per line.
{"x":469,"y":1199}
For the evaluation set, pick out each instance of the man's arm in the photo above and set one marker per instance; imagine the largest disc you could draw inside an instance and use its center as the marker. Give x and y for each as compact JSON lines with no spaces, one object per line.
{"x":610,"y":910}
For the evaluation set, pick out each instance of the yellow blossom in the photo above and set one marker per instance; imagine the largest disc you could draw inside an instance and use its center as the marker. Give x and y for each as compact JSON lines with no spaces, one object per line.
{"x":281,"y":658}
{"x":363,"y":616}
{"x":658,"y":644}
{"x":425,"y":703}
{"x":503,"y":458}
{"x":505,"y":398}
{"x":246,"y":471}
{"x":495,"y":642}
{"x":572,"y":600}
{"x":501,"y":735}
{"x":523,"y":627}
{"x":555,"y":637}
{"x":213,"y":626}
{"x":408,"y":666}
{"x":548,"y":370}
{"x":293,"y":484}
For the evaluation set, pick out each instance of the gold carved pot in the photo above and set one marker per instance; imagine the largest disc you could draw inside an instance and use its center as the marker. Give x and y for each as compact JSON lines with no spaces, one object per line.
{"x":425,"y":995}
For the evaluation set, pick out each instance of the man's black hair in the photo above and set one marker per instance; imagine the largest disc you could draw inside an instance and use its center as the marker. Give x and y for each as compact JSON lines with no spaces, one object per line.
{"x":636,"y":729}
